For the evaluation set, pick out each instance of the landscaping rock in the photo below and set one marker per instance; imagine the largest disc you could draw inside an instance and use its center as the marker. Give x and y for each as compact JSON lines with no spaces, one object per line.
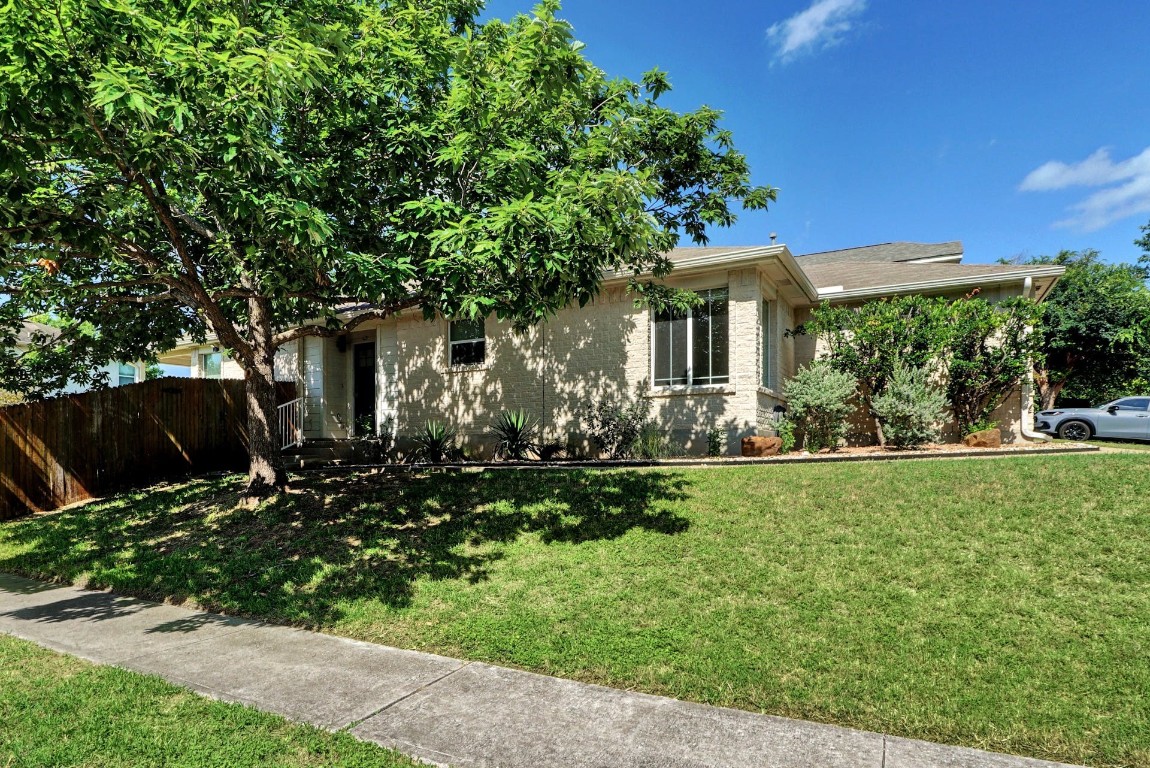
{"x":762,"y":446}
{"x":987,"y":438}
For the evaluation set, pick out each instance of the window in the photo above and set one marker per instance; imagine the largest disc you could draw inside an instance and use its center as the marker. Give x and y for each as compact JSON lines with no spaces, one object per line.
{"x":768,"y":326}
{"x":467,"y":341}
{"x":211,"y":364}
{"x":692,"y":349}
{"x":127,"y":374}
{"x":1133,"y":403}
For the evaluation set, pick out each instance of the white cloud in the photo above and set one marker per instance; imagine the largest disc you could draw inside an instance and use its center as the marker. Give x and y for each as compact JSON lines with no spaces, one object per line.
{"x":1125,"y":187}
{"x":820,"y":26}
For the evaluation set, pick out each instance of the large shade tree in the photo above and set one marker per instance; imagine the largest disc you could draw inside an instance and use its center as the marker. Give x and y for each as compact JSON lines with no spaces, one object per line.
{"x":248,"y":167}
{"x":1094,"y":330}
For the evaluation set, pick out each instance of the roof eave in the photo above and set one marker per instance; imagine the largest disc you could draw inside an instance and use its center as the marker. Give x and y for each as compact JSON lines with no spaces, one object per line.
{"x":926,"y":286}
{"x":734,"y":260}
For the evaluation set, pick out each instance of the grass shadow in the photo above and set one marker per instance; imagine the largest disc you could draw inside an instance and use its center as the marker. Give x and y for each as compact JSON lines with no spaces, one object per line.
{"x":332,"y":541}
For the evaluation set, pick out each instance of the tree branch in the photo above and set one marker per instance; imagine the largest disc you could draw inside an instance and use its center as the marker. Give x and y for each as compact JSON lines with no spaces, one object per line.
{"x":322,"y":331}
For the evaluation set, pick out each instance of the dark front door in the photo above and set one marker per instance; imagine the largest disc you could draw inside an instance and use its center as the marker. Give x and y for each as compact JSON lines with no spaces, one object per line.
{"x":363,"y":392}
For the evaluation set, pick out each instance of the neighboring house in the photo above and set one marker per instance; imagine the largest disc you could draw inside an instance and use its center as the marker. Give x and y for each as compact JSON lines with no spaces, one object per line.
{"x":118,"y":374}
{"x":723,"y":366}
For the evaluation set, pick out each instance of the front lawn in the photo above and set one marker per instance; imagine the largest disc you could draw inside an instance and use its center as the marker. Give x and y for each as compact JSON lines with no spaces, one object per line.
{"x":59,"y":711}
{"x":1000,"y":603}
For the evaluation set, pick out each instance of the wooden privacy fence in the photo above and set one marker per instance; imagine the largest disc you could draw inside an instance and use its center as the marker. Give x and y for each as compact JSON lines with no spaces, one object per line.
{"x":76,"y":447}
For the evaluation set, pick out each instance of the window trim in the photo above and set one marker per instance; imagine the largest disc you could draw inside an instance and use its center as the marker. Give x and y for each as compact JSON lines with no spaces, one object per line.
{"x":452,"y":343}
{"x":716,"y":386}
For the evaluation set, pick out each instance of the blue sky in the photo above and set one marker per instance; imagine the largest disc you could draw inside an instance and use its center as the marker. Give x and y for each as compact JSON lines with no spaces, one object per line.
{"x":1019,"y":127}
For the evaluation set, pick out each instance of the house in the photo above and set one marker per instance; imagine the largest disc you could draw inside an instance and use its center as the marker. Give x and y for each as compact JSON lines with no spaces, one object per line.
{"x":723,"y":366}
{"x":117,"y":374}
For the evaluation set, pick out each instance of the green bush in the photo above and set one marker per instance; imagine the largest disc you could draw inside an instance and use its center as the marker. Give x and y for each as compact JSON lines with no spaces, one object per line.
{"x":615,"y":426}
{"x":911,"y":408}
{"x":785,"y":431}
{"x":819,"y":397}
{"x":436,"y":444}
{"x":652,"y":444}
{"x":716,"y":441}
{"x":515,"y":435}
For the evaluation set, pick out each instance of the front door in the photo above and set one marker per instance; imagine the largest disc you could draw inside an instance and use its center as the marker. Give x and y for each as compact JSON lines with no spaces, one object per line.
{"x":363,"y":388}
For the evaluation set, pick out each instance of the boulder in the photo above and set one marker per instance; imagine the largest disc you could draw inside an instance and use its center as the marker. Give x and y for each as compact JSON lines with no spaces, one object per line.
{"x":987,"y":438}
{"x":761,"y":446}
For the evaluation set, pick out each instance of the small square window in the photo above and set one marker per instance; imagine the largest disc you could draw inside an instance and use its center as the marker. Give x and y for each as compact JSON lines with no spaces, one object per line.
{"x":126,"y":374}
{"x":468,"y":342}
{"x":211,"y":365}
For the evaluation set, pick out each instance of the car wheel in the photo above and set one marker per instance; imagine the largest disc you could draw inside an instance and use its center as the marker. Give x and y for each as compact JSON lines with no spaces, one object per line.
{"x":1074,"y":430}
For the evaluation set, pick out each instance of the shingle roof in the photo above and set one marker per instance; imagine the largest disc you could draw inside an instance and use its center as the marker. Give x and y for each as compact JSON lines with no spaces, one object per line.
{"x":884,"y":253}
{"x":857,"y":276}
{"x":30,"y":328}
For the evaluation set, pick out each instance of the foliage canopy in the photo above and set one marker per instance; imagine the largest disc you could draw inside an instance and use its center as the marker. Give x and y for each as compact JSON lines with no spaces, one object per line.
{"x":264,"y":170}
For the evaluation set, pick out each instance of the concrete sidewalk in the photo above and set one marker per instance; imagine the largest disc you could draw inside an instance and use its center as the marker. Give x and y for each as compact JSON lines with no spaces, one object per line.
{"x":442,"y":710}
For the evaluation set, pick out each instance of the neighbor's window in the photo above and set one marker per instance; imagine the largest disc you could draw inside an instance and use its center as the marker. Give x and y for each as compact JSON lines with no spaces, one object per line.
{"x":468,"y":342}
{"x":692,"y":348}
{"x":127,"y":374}
{"x":211,"y":365}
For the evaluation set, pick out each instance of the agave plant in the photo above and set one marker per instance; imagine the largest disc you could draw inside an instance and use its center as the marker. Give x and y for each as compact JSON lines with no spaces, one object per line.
{"x":437,"y":443}
{"x":515,"y":433}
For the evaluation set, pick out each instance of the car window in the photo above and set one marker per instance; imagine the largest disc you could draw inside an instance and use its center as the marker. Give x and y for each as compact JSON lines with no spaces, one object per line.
{"x":1133,"y":403}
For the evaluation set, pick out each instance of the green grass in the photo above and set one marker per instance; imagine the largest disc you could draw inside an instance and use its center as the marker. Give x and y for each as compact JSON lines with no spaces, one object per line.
{"x":999,"y":604}
{"x":1123,"y":444}
{"x":59,"y":711}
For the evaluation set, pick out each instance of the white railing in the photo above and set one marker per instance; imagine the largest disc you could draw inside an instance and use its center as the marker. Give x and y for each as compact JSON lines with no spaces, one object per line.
{"x":291,"y":423}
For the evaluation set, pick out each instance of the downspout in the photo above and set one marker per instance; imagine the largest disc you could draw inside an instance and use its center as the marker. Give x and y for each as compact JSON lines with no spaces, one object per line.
{"x":1028,"y":389}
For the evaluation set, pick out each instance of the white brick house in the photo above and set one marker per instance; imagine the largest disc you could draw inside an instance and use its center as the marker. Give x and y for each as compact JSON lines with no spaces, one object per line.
{"x":723,"y":366}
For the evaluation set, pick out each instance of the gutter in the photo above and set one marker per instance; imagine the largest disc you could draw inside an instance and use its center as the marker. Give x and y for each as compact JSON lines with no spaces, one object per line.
{"x":944,"y":284}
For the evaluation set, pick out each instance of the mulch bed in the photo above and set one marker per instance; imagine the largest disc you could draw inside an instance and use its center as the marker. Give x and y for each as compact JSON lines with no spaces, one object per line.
{"x":850,"y":453}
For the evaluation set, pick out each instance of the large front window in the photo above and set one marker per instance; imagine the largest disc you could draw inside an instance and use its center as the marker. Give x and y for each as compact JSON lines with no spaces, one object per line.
{"x":692,"y":348}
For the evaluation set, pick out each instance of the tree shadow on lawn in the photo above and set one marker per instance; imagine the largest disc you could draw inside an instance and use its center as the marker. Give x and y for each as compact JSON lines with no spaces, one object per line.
{"x":332,"y":541}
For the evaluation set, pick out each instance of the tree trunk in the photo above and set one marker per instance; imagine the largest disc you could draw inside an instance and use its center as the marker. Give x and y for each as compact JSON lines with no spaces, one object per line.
{"x":266,"y":473}
{"x":1048,"y":391}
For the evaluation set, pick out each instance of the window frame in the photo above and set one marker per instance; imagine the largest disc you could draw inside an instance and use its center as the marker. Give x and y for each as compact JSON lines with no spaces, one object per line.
{"x":689,"y":346}
{"x":121,"y":375}
{"x":204,"y":368}
{"x":453,"y":343}
{"x":766,"y":328}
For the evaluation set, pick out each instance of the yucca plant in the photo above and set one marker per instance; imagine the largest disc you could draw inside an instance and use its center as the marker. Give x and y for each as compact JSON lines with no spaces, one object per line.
{"x":515,"y":435}
{"x":437,"y":443}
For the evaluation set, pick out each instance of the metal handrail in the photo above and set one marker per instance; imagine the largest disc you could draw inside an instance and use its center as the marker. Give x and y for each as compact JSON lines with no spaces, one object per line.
{"x":291,"y":423}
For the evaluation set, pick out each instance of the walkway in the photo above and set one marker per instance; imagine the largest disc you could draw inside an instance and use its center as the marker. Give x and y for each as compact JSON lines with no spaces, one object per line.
{"x":445,"y":711}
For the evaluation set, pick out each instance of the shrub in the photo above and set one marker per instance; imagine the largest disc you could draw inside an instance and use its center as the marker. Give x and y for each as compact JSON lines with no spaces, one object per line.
{"x":551,"y":451}
{"x":515,"y":433}
{"x":785,"y":431}
{"x":716,"y":441}
{"x":436,"y":443}
{"x":819,"y":399}
{"x":989,"y":351}
{"x":652,"y":444}
{"x":911,"y":407}
{"x":615,"y":427}
{"x":372,"y":447}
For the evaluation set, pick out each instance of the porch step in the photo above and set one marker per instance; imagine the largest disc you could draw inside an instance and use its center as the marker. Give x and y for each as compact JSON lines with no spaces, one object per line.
{"x":322,"y":449}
